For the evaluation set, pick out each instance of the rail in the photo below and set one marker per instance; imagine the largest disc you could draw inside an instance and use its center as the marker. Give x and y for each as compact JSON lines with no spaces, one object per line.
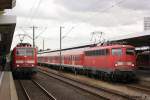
{"x":50,"y":96}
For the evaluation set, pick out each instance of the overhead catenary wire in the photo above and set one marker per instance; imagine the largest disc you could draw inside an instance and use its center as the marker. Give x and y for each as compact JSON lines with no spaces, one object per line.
{"x":24,"y":30}
{"x":40,"y":33}
{"x":30,"y":11}
{"x":32,"y":16}
{"x":112,"y":6}
{"x":104,"y":10}
{"x":36,"y":9}
{"x":26,"y":19}
{"x":69,"y":31}
{"x":22,"y":36}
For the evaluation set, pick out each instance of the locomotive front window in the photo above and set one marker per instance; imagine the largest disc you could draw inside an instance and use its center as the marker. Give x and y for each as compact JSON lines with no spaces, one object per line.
{"x":20,"y":52}
{"x":25,"y":52}
{"x":117,"y":51}
{"x":130,"y":51}
{"x":29,"y":51}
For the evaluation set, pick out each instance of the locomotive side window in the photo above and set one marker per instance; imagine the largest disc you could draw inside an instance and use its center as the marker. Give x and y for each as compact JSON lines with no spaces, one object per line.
{"x":117,"y":51}
{"x":130,"y":51}
{"x":102,"y":52}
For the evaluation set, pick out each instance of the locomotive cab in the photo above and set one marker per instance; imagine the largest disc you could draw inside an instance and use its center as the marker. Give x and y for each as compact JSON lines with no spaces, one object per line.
{"x":123,"y":58}
{"x":24,"y":59}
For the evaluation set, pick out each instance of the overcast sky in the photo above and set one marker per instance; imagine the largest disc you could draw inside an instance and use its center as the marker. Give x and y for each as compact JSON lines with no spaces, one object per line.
{"x":79,"y":19}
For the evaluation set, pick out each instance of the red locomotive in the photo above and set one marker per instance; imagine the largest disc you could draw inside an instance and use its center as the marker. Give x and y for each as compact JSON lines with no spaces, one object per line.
{"x":113,"y":61}
{"x":24,"y":60}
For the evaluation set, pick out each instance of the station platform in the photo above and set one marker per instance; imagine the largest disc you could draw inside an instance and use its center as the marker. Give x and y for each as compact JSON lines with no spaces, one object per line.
{"x":7,"y":87}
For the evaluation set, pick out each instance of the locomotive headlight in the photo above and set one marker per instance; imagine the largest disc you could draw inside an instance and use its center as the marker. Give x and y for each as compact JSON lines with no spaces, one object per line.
{"x":132,"y":65}
{"x":120,"y":63}
{"x":116,"y":64}
{"x":32,"y":65}
{"x":18,"y":65}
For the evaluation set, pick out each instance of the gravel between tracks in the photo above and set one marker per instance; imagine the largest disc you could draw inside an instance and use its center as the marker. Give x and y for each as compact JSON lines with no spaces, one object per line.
{"x":63,"y":91}
{"x":34,"y":92}
{"x":20,"y":93}
{"x":103,"y":93}
{"x":121,"y":88}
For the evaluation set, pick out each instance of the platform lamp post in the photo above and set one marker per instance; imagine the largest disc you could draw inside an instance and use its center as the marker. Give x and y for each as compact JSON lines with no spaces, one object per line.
{"x":33,"y":37}
{"x":60,"y":47}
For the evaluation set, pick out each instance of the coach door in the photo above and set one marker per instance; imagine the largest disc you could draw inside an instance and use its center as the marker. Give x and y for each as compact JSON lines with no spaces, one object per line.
{"x":106,"y":57}
{"x":62,"y":59}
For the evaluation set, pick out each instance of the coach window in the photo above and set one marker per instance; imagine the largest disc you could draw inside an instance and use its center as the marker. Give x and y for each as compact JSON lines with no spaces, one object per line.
{"x":107,"y":51}
{"x":87,"y":53}
{"x":97,"y":52}
{"x":94,"y":53}
{"x":78,"y":57}
{"x":70,"y":58}
{"x":102,"y":52}
{"x":117,"y":51}
{"x":90,"y":53}
{"x":130,"y":51}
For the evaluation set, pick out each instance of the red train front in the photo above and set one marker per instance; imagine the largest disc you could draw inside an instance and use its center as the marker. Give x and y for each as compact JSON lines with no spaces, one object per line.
{"x":116,"y":57}
{"x":115,"y":62}
{"x":24,"y":60}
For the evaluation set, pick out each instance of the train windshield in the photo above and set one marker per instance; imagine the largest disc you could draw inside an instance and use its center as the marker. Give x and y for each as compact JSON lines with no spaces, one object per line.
{"x":117,"y":51}
{"x":130,"y":51}
{"x":25,"y":52}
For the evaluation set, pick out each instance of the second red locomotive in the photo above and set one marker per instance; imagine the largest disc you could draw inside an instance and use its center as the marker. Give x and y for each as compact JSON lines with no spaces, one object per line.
{"x":24,"y":60}
{"x":115,"y":61}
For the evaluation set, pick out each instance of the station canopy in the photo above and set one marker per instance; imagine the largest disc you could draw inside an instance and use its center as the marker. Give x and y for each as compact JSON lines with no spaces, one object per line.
{"x":137,"y":40}
{"x":7,"y":4}
{"x":7,"y":26}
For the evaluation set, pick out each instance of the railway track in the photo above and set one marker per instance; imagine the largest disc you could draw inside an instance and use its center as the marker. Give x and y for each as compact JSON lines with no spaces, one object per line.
{"x":103,"y":93}
{"x":140,"y":87}
{"x":145,"y":83}
{"x":34,"y":91}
